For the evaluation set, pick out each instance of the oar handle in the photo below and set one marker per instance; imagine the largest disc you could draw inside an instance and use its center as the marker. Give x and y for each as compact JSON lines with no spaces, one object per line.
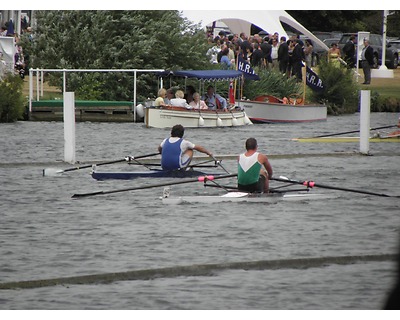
{"x":218,"y":162}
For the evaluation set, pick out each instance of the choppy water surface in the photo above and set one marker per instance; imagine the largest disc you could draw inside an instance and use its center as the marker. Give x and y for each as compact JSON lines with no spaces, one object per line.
{"x":46,"y":234}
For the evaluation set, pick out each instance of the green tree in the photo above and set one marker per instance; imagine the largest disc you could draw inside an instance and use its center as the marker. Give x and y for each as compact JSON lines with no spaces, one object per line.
{"x":271,"y":83}
{"x":340,"y":20}
{"x":116,"y":40}
{"x":341,"y":89}
{"x":12,"y":99}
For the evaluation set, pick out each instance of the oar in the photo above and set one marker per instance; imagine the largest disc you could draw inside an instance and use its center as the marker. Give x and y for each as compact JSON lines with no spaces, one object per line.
{"x":218,"y":162}
{"x":53,"y":172}
{"x":354,"y":131}
{"x":311,"y":184}
{"x":201,"y":179}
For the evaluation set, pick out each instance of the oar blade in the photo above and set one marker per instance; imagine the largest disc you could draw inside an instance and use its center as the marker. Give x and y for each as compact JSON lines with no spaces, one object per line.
{"x":81,"y":195}
{"x":55,"y":172}
{"x":52,"y":172}
{"x":312,"y":184}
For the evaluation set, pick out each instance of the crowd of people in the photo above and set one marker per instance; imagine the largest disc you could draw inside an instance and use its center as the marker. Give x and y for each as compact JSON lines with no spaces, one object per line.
{"x":191,"y":99}
{"x":21,"y":60}
{"x":268,"y":52}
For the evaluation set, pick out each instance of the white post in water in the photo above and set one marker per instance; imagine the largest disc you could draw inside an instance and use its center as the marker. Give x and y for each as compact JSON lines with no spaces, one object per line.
{"x":69,"y":127}
{"x":365,"y":121}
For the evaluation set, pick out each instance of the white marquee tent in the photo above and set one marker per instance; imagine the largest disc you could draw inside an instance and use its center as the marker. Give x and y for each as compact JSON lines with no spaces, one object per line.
{"x":240,"y":21}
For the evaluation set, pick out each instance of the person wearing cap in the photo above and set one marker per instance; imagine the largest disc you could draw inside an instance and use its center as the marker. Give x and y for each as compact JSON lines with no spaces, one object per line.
{"x":176,"y":152}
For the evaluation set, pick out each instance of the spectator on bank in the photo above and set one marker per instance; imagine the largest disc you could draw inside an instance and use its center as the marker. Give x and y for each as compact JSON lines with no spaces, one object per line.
{"x":225,"y":61}
{"x":274,"y":53}
{"x":257,"y":57}
{"x":3,"y":31}
{"x":297,"y":58}
{"x":334,"y":54}
{"x":283,"y":55}
{"x":308,"y":52}
{"x":266,"y":48}
{"x":349,"y":51}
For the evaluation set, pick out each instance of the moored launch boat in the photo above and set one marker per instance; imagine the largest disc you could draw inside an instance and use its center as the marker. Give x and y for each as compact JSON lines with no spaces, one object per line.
{"x":269,"y":109}
{"x":164,"y":117}
{"x":170,"y":116}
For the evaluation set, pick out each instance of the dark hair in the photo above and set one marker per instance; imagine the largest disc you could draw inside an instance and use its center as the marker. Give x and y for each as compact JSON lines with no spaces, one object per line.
{"x":251,"y":144}
{"x":177,"y":131}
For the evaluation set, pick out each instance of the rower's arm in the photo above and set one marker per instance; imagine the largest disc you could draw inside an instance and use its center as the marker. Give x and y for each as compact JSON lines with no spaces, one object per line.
{"x":202,"y":149}
{"x":267,"y":165}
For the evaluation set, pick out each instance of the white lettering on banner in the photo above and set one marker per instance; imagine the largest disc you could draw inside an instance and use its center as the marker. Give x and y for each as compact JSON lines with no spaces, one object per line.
{"x":314,"y":80}
{"x":245,"y":68}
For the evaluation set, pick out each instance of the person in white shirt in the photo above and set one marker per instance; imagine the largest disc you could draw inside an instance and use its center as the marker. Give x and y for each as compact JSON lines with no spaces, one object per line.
{"x":179,"y":101}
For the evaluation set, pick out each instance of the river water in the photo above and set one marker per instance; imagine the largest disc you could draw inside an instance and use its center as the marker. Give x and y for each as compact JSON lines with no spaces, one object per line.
{"x":46,"y":234}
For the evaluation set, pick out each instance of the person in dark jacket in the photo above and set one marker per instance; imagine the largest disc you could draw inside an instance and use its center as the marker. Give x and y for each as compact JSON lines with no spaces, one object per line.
{"x":283,"y":55}
{"x":367,"y":60}
{"x":297,"y":58}
{"x":349,"y":51}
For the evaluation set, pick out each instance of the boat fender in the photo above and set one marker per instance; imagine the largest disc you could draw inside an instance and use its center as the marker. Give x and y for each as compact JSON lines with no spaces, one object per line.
{"x":140,"y":110}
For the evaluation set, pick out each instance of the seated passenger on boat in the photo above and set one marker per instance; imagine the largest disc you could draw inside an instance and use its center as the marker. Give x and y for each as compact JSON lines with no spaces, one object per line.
{"x":179,"y":101}
{"x":214,"y":101}
{"x":254,"y":169}
{"x":176,"y":152}
{"x":169,"y":96}
{"x":197,"y":103}
{"x":162,"y":93}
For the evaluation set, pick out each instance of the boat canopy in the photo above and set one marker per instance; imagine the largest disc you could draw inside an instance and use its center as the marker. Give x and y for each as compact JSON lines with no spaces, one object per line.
{"x":205,"y":75}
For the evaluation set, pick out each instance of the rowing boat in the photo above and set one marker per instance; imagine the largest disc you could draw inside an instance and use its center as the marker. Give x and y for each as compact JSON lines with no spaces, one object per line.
{"x":153,"y":173}
{"x":242,"y":197}
{"x":347,"y":139}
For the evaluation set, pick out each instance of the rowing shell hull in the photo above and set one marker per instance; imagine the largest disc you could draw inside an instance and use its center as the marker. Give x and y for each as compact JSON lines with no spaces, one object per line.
{"x":244,"y":197}
{"x":148,"y":174}
{"x":269,"y":112}
{"x":346,"y":139}
{"x":168,"y":117}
